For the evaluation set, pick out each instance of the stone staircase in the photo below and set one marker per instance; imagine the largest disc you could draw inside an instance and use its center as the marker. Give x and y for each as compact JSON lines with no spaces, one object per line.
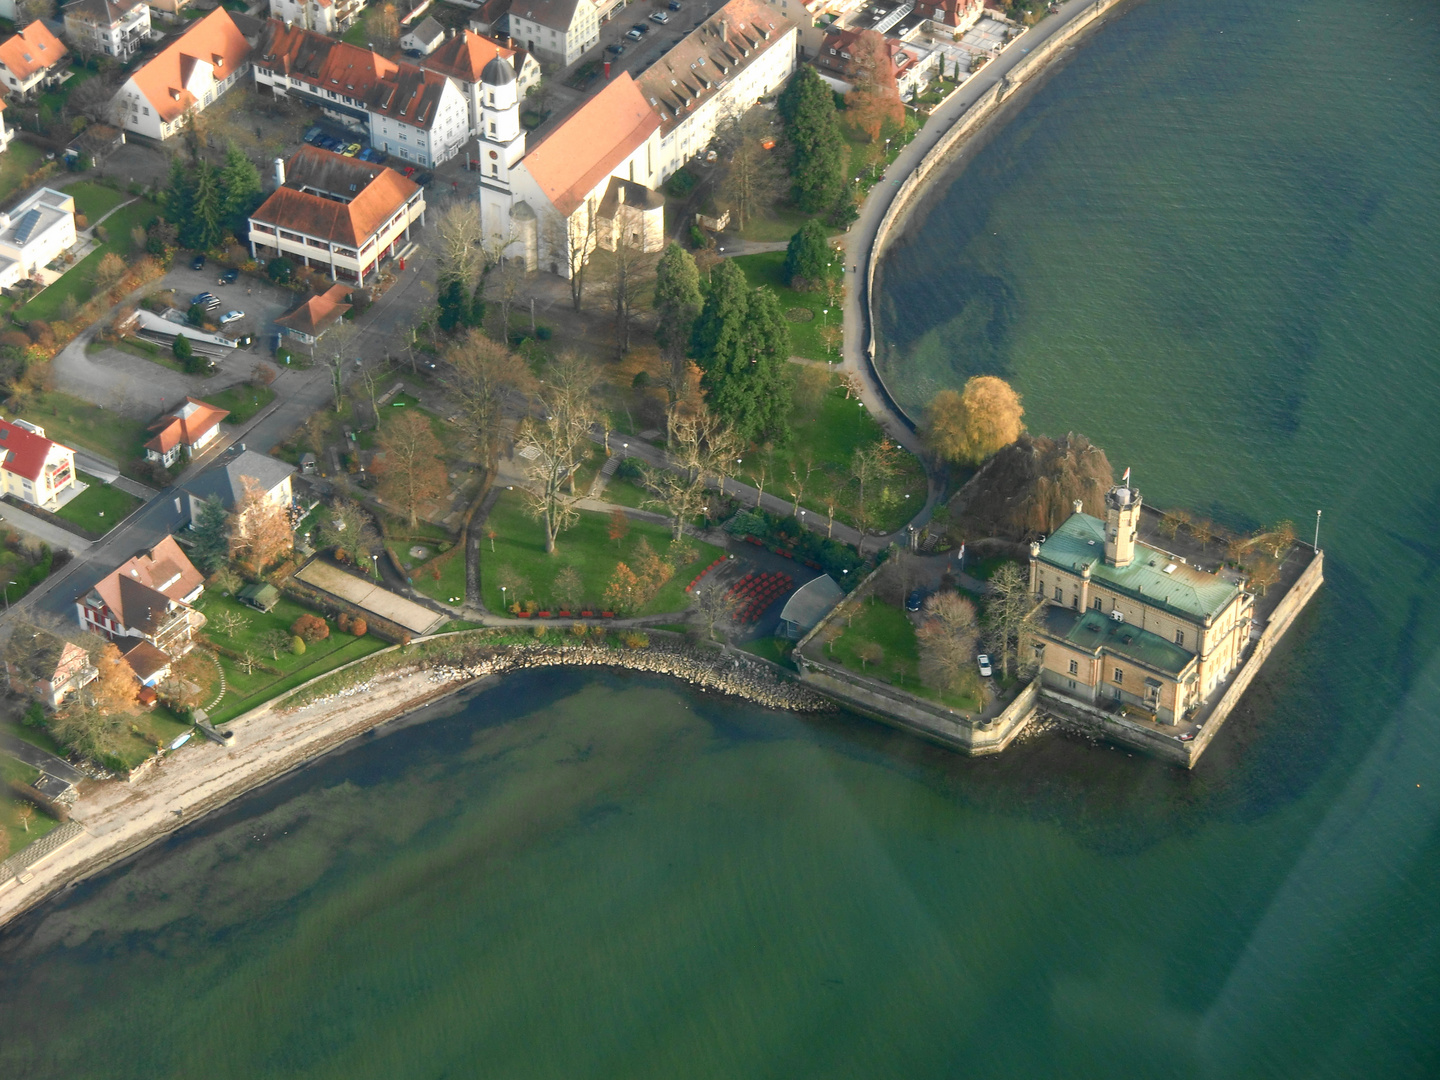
{"x":19,"y":863}
{"x":597,"y":486}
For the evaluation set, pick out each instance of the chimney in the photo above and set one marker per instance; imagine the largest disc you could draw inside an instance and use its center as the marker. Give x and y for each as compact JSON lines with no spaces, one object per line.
{"x":725,"y":28}
{"x":621,"y":190}
{"x":1079,"y":506}
{"x":279,"y":172}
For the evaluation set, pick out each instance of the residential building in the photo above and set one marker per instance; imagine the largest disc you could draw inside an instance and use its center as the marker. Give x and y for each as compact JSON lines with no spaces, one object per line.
{"x":34,"y":234}
{"x":51,"y":667}
{"x":147,"y":597}
{"x":560,"y":31}
{"x":326,"y":16}
{"x":107,"y":27}
{"x":424,"y":38}
{"x":1127,"y":623}
{"x":189,"y":75}
{"x":464,"y":56}
{"x":308,"y":322}
{"x":911,"y":67}
{"x":227,"y":482}
{"x":414,"y":114}
{"x":551,"y":205}
{"x":33,"y":468}
{"x":338,"y":214}
{"x":738,"y":55}
{"x":489,"y":16}
{"x":149,"y":664}
{"x":33,"y":59}
{"x":6,"y":135}
{"x":187,"y":430}
{"x":169,"y":10}
{"x":956,"y":14}
{"x":630,"y":214}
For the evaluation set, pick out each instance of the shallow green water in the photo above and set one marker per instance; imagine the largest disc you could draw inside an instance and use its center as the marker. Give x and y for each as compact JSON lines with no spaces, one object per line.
{"x":1217,"y":256}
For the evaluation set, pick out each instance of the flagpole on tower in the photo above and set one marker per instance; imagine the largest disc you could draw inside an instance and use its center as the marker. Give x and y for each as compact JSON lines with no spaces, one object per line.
{"x":1317,"y":529}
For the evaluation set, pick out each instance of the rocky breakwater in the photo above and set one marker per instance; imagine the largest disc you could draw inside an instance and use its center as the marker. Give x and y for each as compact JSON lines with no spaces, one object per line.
{"x":723,"y":672}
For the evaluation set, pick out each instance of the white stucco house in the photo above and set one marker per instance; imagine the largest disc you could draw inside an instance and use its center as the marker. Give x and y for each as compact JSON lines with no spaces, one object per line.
{"x":33,"y":234}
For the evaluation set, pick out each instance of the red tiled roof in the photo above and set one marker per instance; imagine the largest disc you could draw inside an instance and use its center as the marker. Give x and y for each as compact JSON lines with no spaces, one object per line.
{"x":572,"y":160}
{"x":465,"y":55}
{"x":23,"y":452}
{"x":32,"y":49}
{"x":379,"y":194}
{"x":186,"y":425}
{"x":139,"y":589}
{"x":317,"y":313}
{"x":214,"y":40}
{"x":145,"y":659}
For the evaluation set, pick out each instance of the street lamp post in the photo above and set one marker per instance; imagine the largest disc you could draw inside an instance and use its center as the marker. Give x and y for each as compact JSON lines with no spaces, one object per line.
{"x":375,"y":562}
{"x":7,"y":594}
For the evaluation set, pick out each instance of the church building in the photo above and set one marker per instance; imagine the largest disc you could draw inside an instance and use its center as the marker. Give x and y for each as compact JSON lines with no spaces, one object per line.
{"x":1127,"y":624}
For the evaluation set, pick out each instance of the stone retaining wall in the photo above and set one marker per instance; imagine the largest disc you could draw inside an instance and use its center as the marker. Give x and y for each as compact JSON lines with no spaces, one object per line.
{"x":20,"y":863}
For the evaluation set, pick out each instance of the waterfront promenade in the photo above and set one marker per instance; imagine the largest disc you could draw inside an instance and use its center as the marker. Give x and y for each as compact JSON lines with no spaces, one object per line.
{"x":861,"y":250}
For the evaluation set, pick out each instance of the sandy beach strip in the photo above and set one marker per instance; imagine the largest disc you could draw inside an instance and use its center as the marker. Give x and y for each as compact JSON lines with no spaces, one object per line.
{"x":120,"y":818}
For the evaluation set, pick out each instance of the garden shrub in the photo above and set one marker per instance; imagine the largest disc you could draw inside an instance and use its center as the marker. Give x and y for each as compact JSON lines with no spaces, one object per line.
{"x":358,"y":627}
{"x":297,"y":646}
{"x":310,"y":628}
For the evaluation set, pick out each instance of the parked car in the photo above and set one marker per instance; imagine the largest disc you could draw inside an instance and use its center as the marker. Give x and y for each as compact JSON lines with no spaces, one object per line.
{"x":208,"y":301}
{"x":231,"y":316}
{"x":229,"y":277}
{"x":640,"y":28}
{"x":424,"y":179}
{"x":634,"y":35}
{"x":618,"y":48}
{"x":1186,"y":736}
{"x":985,"y":669}
{"x":914,"y":600}
{"x":313,"y":134}
{"x":659,"y":17}
{"x":197,"y":263}
{"x":674,"y":5}
{"x":415,"y":54}
{"x":351,"y":150}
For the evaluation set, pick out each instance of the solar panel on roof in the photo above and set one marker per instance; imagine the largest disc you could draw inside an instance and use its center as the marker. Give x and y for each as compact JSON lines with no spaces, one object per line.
{"x":27,"y":225}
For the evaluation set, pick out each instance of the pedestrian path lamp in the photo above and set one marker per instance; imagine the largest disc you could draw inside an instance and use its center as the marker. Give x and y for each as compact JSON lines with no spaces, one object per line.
{"x":7,"y":594}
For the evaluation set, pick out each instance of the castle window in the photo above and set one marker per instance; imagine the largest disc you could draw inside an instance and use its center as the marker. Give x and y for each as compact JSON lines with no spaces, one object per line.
{"x":1119,"y":676}
{"x":1179,"y":637}
{"x":1074,"y":669}
{"x":1099,"y":606}
{"x":1059,"y":595}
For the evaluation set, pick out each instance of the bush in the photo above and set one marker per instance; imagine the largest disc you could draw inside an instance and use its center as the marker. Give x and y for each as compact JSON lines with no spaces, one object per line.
{"x":280,"y":270}
{"x":630,"y":469}
{"x":698,"y":240}
{"x":297,"y":646}
{"x":310,"y":628}
{"x":342,"y":620}
{"x":633,"y":639}
{"x":543,"y":333}
{"x":682,"y":183}
{"x":358,"y":627}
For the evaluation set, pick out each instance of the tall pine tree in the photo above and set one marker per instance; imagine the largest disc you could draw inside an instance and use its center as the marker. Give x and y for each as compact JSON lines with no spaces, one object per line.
{"x":742,"y":343}
{"x":204,"y":228}
{"x":179,"y":194}
{"x":808,"y":107}
{"x":209,"y":536}
{"x":240,"y":181}
{"x":677,"y":304}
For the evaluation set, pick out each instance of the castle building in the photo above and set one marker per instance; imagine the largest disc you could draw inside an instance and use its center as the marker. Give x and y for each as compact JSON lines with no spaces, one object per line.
{"x":594,"y":180}
{"x":1125,"y":623}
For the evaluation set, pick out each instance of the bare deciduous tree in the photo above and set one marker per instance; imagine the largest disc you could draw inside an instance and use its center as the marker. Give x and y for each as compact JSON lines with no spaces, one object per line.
{"x":456,"y":243}
{"x":555,"y":444}
{"x":715,"y":606}
{"x":414,"y":468}
{"x":480,"y":374}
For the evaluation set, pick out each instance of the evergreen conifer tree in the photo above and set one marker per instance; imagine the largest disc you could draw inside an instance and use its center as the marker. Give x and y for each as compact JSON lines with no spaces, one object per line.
{"x":240,"y":181}
{"x":741,"y":342}
{"x":678,"y":301}
{"x":808,"y":107}
{"x":207,"y":209}
{"x":210,"y":540}
{"x":455,"y":305}
{"x":179,"y":195}
{"x":808,"y":255}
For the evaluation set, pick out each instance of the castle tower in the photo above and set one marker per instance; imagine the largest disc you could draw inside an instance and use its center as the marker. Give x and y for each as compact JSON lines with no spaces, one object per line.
{"x":1122,"y":521}
{"x":502,"y":140}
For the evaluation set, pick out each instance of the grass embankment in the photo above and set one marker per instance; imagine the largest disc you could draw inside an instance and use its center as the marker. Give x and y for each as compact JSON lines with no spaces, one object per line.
{"x":888,"y":627}
{"x":777,"y":650}
{"x":768,"y":268}
{"x":100,"y":507}
{"x":244,"y":691}
{"x":520,"y":545}
{"x":829,"y":429}
{"x":18,"y":162}
{"x":243,"y":401}
{"x":79,"y":424}
{"x":79,"y":280}
{"x":15,"y":831}
{"x":94,"y":200}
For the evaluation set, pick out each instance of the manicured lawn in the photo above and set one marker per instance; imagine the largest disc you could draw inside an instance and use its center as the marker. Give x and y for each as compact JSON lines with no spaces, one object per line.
{"x":79,"y":279}
{"x":829,"y":429}
{"x":774,"y":649}
{"x":159,"y":723}
{"x":78,"y":423}
{"x":15,"y":164}
{"x":92,"y":199}
{"x":13,"y":834}
{"x":442,"y":576}
{"x":99,"y":507}
{"x":243,"y":401}
{"x":34,"y":736}
{"x":767,"y":268}
{"x":244,"y":691}
{"x":777,"y":223}
{"x":520,"y":544}
{"x":889,"y":628}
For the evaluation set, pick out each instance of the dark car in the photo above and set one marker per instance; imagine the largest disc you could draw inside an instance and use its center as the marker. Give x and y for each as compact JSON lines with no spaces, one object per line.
{"x":618,"y":49}
{"x":640,"y":28}
{"x":313,"y":134}
{"x":197,"y":263}
{"x":208,"y":301}
{"x":229,"y":277}
{"x":674,"y":5}
{"x":914,"y":600}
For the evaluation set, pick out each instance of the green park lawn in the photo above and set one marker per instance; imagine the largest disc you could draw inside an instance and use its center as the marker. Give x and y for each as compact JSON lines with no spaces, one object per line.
{"x":79,"y":280}
{"x":776,"y":223}
{"x":768,"y":268}
{"x":520,"y":545}
{"x":100,"y":507}
{"x":14,"y":834}
{"x":18,"y":162}
{"x":78,"y":423}
{"x":775,"y":649}
{"x":833,"y":428}
{"x":244,"y":692}
{"x":441,"y":576}
{"x":94,"y":200}
{"x":889,"y":628}
{"x":158,"y":723}
{"x":243,"y":401}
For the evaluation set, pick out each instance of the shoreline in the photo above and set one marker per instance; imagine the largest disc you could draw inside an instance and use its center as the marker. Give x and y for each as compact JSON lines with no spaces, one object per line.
{"x":120,"y":819}
{"x":981,"y":119}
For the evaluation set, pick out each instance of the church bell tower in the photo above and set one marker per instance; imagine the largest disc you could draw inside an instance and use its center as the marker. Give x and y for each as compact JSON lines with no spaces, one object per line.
{"x":1122,"y":522}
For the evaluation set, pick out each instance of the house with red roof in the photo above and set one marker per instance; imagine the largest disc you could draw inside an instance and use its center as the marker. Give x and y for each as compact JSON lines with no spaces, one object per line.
{"x":148,"y":598}
{"x":336,"y":214}
{"x":33,"y":58}
{"x":308,"y":321}
{"x":464,"y":55}
{"x":189,"y":429}
{"x":187,"y":76}
{"x":50,"y":666}
{"x":34,"y":469}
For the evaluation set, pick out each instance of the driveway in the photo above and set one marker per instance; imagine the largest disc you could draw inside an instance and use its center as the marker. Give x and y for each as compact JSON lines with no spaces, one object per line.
{"x":43,"y":760}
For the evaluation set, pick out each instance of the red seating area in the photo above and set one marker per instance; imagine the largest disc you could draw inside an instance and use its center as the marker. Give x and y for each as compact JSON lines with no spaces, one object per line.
{"x":755,"y":592}
{"x":702,"y":573}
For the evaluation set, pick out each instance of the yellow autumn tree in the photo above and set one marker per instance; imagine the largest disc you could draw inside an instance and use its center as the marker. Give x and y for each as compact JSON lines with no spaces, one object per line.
{"x":967,"y":427}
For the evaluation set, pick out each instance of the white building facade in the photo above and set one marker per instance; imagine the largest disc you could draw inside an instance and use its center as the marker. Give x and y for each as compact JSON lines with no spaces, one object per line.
{"x":34,"y":234}
{"x":107,"y":27}
{"x":560,"y":31}
{"x":326,"y":16}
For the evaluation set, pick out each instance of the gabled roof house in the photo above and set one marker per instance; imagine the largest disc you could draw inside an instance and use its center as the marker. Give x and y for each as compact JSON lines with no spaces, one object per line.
{"x":188,"y":76}
{"x":190,"y":428}
{"x":148,"y":597}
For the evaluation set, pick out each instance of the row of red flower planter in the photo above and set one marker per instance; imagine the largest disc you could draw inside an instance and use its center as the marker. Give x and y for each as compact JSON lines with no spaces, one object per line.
{"x":783,"y":553}
{"x":702,"y":573}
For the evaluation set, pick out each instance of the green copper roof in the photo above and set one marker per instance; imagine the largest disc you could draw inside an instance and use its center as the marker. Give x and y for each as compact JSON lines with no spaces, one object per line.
{"x":1185,"y":591}
{"x":1094,"y":631}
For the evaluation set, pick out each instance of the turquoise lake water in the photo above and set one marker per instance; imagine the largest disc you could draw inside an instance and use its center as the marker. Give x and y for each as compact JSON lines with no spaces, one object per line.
{"x":1217,"y":255}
